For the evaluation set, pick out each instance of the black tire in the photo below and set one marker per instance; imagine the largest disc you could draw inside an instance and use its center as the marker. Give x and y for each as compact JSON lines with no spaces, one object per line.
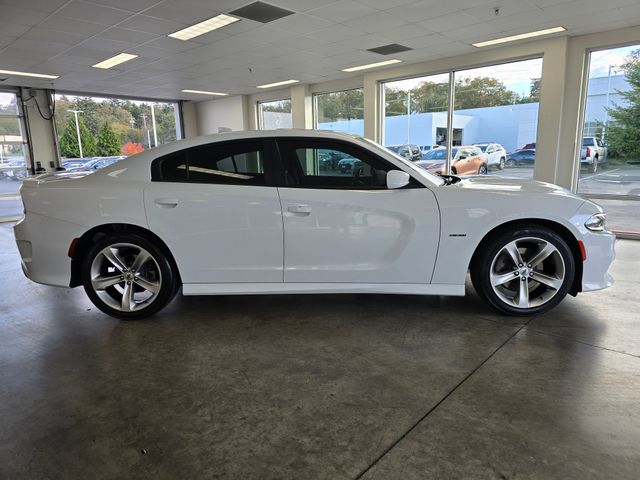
{"x":501,"y":163}
{"x":593,"y":168}
{"x":482,"y":170}
{"x":540,"y":297}
{"x":510,"y":163}
{"x":158,"y":267}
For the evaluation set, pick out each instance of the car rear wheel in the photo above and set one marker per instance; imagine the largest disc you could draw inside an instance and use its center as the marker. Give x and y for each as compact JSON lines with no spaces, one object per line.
{"x":511,"y":163}
{"x":594,"y":165}
{"x":483,"y":169}
{"x":128,"y":277}
{"x":525,"y":271}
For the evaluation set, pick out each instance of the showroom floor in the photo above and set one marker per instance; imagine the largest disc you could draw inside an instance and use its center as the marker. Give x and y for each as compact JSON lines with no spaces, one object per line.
{"x":306,"y":387}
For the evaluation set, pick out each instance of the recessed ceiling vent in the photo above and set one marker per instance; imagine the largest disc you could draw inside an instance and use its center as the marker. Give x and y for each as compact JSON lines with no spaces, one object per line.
{"x":390,"y":49}
{"x":261,"y":12}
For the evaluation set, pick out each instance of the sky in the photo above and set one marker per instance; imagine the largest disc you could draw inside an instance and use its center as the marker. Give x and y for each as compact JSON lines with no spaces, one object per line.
{"x":615,"y":57}
{"x":515,"y":75}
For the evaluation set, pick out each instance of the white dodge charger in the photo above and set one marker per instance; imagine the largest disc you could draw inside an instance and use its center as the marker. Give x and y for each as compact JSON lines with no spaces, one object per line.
{"x":254,"y":213}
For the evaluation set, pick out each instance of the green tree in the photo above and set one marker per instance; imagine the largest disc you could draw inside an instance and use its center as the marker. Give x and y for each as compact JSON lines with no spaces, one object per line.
{"x":623,"y":134}
{"x":108,"y":143}
{"x":69,"y":141}
{"x":346,"y":105}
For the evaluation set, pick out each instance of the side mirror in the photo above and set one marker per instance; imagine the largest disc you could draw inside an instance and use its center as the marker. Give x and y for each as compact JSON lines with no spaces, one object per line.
{"x":397,"y":179}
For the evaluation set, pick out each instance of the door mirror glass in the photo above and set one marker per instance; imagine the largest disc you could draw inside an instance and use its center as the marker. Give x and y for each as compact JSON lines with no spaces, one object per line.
{"x":397,"y":179}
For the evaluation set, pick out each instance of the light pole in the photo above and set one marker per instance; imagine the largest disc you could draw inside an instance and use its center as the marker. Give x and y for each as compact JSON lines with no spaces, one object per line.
{"x":408,"y":115}
{"x":144,"y":125}
{"x":606,"y":104}
{"x":75,"y":113}
{"x":153,"y":122}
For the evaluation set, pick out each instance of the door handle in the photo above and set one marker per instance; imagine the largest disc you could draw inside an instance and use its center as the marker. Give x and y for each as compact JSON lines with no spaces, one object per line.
{"x":166,"y":202}
{"x":300,"y":209}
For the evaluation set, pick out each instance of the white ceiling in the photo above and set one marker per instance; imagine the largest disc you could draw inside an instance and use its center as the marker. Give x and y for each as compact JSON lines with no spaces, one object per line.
{"x":66,"y":37}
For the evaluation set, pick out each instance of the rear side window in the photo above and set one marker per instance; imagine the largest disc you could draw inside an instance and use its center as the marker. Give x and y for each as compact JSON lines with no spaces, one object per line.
{"x":240,"y":163}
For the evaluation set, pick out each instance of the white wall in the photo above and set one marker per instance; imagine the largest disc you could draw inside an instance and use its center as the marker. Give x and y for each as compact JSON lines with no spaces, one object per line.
{"x":225,"y":113}
{"x":190,"y":119}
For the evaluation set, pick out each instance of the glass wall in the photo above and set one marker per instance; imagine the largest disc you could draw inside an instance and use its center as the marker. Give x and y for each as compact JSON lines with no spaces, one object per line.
{"x":340,"y":111}
{"x":610,"y":151}
{"x":493,"y":126}
{"x":415,"y":112}
{"x":496,"y":109}
{"x":275,"y":114}
{"x":95,"y":131}
{"x":13,"y":154}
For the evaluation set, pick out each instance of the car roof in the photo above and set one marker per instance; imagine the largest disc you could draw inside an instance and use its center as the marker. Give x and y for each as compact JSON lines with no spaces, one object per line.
{"x":138,"y":164}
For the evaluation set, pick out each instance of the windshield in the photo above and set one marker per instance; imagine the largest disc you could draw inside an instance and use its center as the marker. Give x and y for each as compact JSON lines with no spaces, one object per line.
{"x":483,"y":147}
{"x":394,"y":148}
{"x":421,"y":172}
{"x":439,"y":154}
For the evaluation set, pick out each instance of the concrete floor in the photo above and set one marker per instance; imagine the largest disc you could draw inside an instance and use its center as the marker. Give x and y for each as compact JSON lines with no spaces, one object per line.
{"x":309,"y":387}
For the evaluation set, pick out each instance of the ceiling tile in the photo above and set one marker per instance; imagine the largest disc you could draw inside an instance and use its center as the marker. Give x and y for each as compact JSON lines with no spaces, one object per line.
{"x":175,"y":11}
{"x":64,"y":24}
{"x":300,"y":23}
{"x":376,"y":21}
{"x":45,"y":35}
{"x":129,"y":5}
{"x":13,"y":29}
{"x":148,"y":24}
{"x":126,"y":35}
{"x":342,"y":11}
{"x":22,"y":16}
{"x":93,"y":13}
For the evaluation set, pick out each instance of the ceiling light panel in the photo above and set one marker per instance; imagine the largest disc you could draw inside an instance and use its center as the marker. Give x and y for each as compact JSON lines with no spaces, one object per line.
{"x":371,"y":65}
{"x":117,"y":60}
{"x":521,"y":36}
{"x":204,"y":92}
{"x":278,"y":84}
{"x":207,"y":26}
{"x":28,"y":74}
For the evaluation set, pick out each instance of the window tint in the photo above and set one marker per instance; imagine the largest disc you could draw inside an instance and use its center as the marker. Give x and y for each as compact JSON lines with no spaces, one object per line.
{"x":327,"y":165}
{"x":587,"y":142}
{"x":235,"y":164}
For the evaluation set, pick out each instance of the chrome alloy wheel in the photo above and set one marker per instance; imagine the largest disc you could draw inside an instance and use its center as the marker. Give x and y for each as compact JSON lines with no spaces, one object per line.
{"x":527,"y":272}
{"x":126,"y":277}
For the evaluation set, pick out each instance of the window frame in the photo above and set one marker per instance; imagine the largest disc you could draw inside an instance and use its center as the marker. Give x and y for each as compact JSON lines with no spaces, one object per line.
{"x":270,"y":169}
{"x":283,"y":151}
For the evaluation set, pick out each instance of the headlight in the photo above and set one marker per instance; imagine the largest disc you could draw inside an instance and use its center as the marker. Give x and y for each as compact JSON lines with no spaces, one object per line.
{"x":596,"y":223}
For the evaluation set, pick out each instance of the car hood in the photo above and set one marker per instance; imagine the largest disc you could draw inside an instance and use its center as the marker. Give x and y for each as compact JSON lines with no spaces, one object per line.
{"x":511,"y":185}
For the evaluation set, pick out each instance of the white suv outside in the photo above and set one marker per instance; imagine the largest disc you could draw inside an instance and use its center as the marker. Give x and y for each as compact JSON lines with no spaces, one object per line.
{"x":496,"y":154}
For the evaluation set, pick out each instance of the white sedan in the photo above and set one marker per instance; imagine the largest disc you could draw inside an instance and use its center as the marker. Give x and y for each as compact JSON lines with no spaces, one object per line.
{"x":253,"y":213}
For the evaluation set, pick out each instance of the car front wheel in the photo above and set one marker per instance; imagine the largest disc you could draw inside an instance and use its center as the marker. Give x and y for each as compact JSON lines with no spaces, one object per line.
{"x":128,"y":277}
{"x":501,"y":164}
{"x":526,"y":271}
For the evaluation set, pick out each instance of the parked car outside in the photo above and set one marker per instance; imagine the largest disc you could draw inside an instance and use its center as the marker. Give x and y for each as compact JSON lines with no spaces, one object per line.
{"x":409,"y":152}
{"x":189,"y":215}
{"x":528,"y":146}
{"x":496,"y":154}
{"x":15,"y":169}
{"x":594,"y":153}
{"x":465,"y":160}
{"x":349,"y":165}
{"x":96,"y":163}
{"x":69,"y":163}
{"x":521,"y":158}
